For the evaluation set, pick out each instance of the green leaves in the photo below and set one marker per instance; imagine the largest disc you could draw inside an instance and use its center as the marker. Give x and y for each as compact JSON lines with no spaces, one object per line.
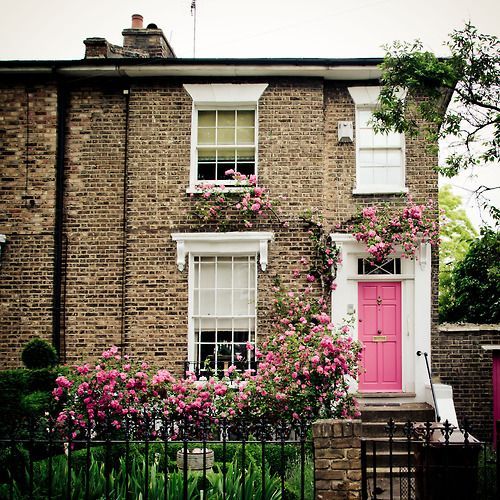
{"x":475,"y":295}
{"x":455,"y":98}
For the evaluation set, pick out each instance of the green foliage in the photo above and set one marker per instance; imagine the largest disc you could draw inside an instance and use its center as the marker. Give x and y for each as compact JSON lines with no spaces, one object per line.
{"x":475,"y":290}
{"x":36,"y":403}
{"x":471,"y":75}
{"x":456,"y":235}
{"x":293,"y":480}
{"x":39,"y":354}
{"x":155,"y":483}
{"x":13,"y":385}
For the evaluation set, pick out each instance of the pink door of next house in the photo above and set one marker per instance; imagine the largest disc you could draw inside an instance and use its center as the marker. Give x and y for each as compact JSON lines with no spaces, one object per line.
{"x":379,"y":329}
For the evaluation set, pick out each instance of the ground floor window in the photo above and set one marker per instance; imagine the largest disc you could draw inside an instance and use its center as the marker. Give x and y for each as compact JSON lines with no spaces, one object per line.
{"x":223,"y":311}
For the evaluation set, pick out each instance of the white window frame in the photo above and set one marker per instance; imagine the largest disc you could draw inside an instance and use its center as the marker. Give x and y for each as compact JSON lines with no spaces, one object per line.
{"x":192,"y":344}
{"x":221,"y":96}
{"x":365,"y":98}
{"x":251,"y":243}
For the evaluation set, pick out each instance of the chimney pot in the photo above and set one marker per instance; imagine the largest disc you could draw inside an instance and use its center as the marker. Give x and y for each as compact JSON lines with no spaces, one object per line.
{"x":137,"y":20}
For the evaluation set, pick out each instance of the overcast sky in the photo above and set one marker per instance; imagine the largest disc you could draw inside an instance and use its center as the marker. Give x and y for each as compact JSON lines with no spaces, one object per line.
{"x":55,"y":29}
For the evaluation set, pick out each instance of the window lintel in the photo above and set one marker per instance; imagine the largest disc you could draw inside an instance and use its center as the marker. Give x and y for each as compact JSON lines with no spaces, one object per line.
{"x":233,"y":243}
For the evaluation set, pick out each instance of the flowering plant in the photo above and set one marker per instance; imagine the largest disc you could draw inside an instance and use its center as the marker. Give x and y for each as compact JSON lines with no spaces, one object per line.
{"x":302,"y":373}
{"x":249,"y":200}
{"x":326,"y":254}
{"x":382,"y":231}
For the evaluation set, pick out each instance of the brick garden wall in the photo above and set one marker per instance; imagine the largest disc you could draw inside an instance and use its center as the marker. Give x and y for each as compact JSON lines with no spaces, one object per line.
{"x":459,"y":360}
{"x":121,"y":204}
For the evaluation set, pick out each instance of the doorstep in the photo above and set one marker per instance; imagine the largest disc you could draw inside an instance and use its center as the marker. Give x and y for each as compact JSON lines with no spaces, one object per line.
{"x":370,"y":395}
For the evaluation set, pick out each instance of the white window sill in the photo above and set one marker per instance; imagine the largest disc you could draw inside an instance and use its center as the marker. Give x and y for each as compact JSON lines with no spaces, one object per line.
{"x":380,"y":190}
{"x":229,"y":189}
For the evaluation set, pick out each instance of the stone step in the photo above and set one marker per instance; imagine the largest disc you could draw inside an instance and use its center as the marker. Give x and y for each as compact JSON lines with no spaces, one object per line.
{"x":379,"y":429}
{"x":399,"y":459}
{"x":400,"y":412}
{"x":382,"y":445}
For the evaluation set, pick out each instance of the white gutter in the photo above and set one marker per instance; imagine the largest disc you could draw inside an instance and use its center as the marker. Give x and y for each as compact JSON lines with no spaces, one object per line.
{"x":326,"y":72}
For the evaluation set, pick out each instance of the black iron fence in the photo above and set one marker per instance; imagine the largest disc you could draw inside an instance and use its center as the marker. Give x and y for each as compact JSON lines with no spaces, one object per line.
{"x":168,"y":460}
{"x":429,"y":461}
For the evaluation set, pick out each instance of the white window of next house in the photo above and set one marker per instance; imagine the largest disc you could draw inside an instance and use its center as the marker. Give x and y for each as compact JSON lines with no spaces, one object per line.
{"x":380,"y":158}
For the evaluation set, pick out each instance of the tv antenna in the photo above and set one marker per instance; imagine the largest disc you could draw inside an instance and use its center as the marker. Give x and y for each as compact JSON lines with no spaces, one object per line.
{"x":193,"y":14}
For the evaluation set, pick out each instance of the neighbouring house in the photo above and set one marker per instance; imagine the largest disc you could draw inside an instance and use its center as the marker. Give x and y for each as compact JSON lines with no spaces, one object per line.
{"x":102,"y":160}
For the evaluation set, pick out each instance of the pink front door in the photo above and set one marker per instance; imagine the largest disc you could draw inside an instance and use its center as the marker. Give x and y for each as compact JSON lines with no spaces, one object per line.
{"x":379,"y":329}
{"x":496,"y":393}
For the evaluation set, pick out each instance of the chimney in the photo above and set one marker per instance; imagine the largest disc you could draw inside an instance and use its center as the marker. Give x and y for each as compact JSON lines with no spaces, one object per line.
{"x":137,"y":21}
{"x":137,"y":42}
{"x":150,"y":39}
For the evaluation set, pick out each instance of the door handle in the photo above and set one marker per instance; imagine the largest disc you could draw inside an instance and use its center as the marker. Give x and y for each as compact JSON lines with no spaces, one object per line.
{"x":379,"y":332}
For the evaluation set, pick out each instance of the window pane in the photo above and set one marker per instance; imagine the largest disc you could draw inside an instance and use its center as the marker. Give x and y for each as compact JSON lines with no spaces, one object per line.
{"x":246,"y":118}
{"x":206,"y":118}
{"x":366,"y":176}
{"x":226,"y":154}
{"x":226,"y":119}
{"x":225,"y":324}
{"x":225,"y":136}
{"x":364,"y":116}
{"x":206,"y":155}
{"x":222,"y":168}
{"x":394,"y":158}
{"x":240,"y":324}
{"x":241,"y":302}
{"x":224,"y":274}
{"x":246,"y":154}
{"x":380,"y":176}
{"x":394,"y":140}
{"x":379,"y":158}
{"x":246,"y":168}
{"x":245,"y":136}
{"x":241,"y":274}
{"x":207,"y":302}
{"x":207,"y":275}
{"x":366,"y":157}
{"x":224,"y":306}
{"x":380,"y":140}
{"x":206,"y":171}
{"x":365,"y":137}
{"x":206,"y":136}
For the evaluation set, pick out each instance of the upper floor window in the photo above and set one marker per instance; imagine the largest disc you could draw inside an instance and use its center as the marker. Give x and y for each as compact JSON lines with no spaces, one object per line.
{"x":224,"y":131}
{"x":379,"y":157}
{"x":225,"y":141}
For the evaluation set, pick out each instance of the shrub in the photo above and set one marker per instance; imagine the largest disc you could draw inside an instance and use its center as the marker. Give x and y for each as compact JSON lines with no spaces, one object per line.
{"x":35,"y":403}
{"x":39,"y":354}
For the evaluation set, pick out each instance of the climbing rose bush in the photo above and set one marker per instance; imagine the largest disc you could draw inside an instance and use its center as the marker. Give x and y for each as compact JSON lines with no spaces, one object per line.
{"x":382,"y":230}
{"x":243,"y":196}
{"x":302,"y":373}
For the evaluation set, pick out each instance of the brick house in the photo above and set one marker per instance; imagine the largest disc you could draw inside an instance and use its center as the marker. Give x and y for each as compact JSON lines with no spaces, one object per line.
{"x":100,"y":157}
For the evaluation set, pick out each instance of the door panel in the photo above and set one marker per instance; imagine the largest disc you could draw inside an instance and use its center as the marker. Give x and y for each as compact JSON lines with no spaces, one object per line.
{"x":379,"y":328}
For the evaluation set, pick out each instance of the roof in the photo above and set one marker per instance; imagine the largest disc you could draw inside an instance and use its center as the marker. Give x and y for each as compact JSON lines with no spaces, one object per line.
{"x":328,"y":69}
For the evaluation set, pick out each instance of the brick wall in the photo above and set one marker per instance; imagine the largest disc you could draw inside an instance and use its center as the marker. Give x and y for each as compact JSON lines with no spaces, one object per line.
{"x":337,"y":459}
{"x":27,"y":174}
{"x":459,"y":360}
{"x":121,"y":284}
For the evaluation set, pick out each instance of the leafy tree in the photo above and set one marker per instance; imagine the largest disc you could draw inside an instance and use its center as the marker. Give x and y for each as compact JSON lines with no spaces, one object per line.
{"x":475,"y":282}
{"x":470,"y":78}
{"x":456,"y":235}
